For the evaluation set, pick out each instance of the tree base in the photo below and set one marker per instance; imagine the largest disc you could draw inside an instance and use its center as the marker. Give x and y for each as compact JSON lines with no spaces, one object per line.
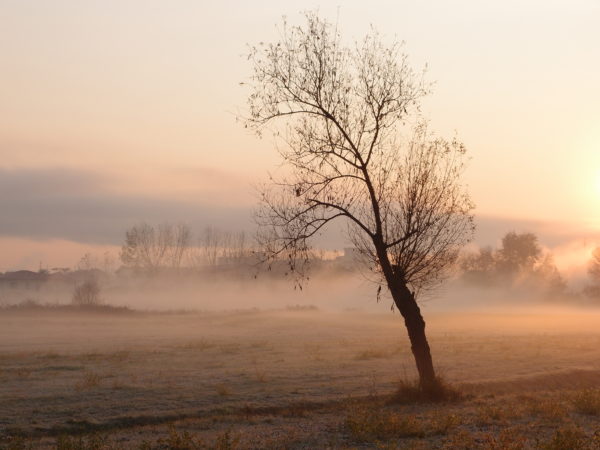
{"x":414,"y":392}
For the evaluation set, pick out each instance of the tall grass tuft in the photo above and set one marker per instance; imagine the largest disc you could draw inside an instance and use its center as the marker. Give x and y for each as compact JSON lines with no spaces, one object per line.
{"x":411,"y":392}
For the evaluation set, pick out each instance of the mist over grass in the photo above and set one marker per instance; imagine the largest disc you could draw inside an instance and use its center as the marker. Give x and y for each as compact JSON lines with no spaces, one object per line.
{"x":231,"y":353}
{"x":327,"y":290}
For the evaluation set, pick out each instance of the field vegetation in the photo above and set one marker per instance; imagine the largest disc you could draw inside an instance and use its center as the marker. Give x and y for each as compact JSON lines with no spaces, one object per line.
{"x":295,"y":378}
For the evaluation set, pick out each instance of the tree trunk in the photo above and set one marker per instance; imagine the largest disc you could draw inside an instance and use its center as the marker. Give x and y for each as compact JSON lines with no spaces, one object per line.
{"x":415,"y":324}
{"x":413,"y":320}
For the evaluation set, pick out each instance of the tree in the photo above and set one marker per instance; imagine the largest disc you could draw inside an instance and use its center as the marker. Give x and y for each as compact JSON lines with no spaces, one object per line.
{"x":149,"y":248}
{"x":519,"y":263}
{"x":340,"y":112}
{"x":593,"y":290}
{"x":87,"y":262}
{"x":594,"y":266}
{"x":479,"y":267}
{"x":180,"y":238}
{"x":212,"y":244}
{"x":519,"y":253}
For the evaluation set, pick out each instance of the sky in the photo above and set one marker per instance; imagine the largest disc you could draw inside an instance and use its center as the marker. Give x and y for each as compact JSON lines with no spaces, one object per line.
{"x":116,"y":112}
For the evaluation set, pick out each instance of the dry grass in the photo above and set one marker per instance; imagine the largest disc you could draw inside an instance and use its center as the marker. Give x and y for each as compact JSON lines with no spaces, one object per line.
{"x":184,"y":440}
{"x":365,"y":422}
{"x":548,"y":409}
{"x":89,"y":442}
{"x":492,"y":414}
{"x":373,"y":424}
{"x":370,"y":425}
{"x":89,"y":380}
{"x":200,"y":345}
{"x":372,"y":354}
{"x":314,"y":351}
{"x":223,"y":389}
{"x":16,"y":443}
{"x":177,"y":440}
{"x":261,"y":376}
{"x":409,"y":391}
{"x":570,"y":438}
{"x":230,"y":349}
{"x":119,"y":356}
{"x":260,"y":345}
{"x":512,"y":438}
{"x":49,"y":355}
{"x":587,"y":402}
{"x":290,"y":381}
{"x":24,"y":373}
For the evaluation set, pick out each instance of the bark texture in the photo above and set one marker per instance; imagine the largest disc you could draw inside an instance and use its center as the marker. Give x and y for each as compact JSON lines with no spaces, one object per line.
{"x":415,"y":325}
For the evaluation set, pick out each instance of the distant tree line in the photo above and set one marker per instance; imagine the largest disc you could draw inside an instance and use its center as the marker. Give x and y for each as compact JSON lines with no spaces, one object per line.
{"x":519,"y":262}
{"x":173,"y":246}
{"x":593,"y":289}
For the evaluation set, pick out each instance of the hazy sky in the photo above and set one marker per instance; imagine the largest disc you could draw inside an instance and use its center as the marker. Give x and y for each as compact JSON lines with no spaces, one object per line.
{"x":113,"y":112}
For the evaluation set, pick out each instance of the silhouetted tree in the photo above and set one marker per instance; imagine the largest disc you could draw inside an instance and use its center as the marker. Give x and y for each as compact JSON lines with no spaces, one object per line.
{"x":519,"y":262}
{"x":216,"y":245}
{"x":593,"y":290}
{"x":519,"y":252}
{"x":479,"y":267}
{"x":340,"y":111}
{"x":87,"y":262}
{"x":212,"y":242}
{"x":180,"y":238}
{"x":149,"y":248}
{"x":594,"y":266}
{"x":548,"y":276}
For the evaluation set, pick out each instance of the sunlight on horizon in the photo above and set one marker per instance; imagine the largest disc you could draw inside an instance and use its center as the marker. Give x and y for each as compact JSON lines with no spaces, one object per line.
{"x":130,"y":110}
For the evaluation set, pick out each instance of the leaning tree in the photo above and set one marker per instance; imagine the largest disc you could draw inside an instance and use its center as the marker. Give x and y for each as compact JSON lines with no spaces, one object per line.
{"x":356,"y":150}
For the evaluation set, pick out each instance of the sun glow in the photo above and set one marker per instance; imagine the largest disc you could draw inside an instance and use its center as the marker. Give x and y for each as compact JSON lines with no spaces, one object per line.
{"x":586,"y":171}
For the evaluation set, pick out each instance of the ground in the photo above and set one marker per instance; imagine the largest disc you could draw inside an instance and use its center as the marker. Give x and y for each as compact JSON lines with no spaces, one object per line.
{"x":295,"y":379}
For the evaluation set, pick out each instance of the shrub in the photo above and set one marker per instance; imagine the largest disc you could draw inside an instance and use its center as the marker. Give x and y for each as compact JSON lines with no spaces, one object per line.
{"x":87,"y":294}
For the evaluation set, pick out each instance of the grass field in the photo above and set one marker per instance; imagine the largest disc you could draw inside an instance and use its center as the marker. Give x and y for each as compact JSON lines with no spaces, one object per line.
{"x":295,"y":379}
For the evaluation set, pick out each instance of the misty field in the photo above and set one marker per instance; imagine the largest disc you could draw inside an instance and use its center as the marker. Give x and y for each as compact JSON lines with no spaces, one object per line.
{"x":296,"y":378}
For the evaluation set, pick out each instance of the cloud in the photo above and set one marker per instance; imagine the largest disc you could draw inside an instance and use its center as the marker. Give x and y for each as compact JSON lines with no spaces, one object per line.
{"x":80,"y":206}
{"x":30,"y":183}
{"x":491,"y":229}
{"x":84,"y":206}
